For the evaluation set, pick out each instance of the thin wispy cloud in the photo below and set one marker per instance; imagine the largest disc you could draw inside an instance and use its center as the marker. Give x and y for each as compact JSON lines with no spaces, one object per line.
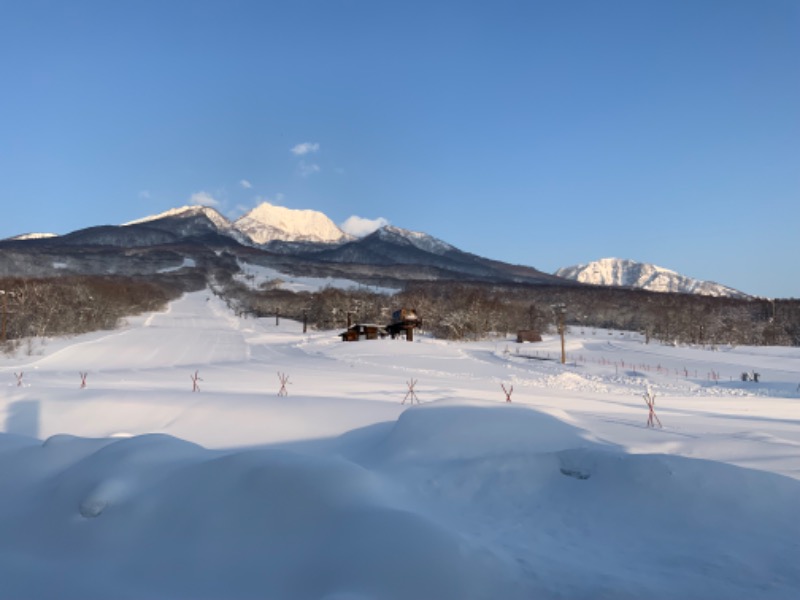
{"x":203,"y":199}
{"x":360,"y":227}
{"x":145,"y":195}
{"x":307,"y":169}
{"x":305,"y":148}
{"x":246,"y":184}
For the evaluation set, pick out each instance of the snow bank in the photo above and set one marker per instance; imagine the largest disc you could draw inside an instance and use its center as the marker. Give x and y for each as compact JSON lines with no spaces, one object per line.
{"x":153,"y":516}
{"x":453,"y":501}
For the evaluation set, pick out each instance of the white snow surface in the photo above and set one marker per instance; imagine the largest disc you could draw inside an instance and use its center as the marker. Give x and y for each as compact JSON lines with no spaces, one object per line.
{"x":34,"y":236}
{"x":137,"y":487}
{"x":260,"y":277}
{"x":267,"y":222}
{"x":630,"y":273}
{"x":189,"y":263}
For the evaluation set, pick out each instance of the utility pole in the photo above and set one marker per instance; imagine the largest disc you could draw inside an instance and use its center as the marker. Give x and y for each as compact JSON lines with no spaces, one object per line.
{"x":561,"y":310}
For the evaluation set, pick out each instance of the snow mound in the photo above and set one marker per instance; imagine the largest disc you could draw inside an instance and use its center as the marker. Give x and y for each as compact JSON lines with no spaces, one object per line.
{"x":160,"y":517}
{"x":574,"y":382}
{"x":443,"y":430}
{"x":589,"y":520}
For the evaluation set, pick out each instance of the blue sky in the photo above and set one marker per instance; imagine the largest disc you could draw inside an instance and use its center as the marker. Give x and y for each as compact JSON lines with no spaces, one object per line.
{"x":538,"y":133}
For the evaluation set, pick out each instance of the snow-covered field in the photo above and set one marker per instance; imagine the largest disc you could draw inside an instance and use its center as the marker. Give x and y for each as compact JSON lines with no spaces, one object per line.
{"x":256,"y":276}
{"x":137,"y":487}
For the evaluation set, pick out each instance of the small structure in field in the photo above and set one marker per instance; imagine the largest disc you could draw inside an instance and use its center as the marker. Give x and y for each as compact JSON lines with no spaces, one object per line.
{"x":362,"y":331}
{"x":528,"y":335}
{"x":404,"y":320}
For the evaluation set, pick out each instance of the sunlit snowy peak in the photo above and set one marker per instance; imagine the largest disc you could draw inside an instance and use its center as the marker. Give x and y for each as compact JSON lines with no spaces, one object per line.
{"x":267,"y":223}
{"x":629,"y":273}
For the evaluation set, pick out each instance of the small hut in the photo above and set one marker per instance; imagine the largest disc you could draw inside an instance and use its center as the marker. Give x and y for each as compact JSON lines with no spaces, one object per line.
{"x":362,"y":331}
{"x":528,"y":335}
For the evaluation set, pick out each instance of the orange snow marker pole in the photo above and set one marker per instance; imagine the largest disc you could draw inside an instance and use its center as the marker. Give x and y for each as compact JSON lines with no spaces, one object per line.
{"x":507,"y":391}
{"x":195,"y":378}
{"x":411,"y":394}
{"x":83,"y":378}
{"x":652,"y":418}
{"x":284,"y":379}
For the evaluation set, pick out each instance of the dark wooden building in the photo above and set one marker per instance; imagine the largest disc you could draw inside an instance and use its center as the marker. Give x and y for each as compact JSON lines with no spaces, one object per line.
{"x":362,"y":331}
{"x":404,"y":321}
{"x":528,"y":335}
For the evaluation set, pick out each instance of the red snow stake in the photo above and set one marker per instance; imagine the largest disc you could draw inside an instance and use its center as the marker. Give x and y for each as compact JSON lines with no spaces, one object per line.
{"x":19,"y":378}
{"x":195,"y":378}
{"x":83,"y":378}
{"x":284,"y":379}
{"x":411,"y":394}
{"x":507,"y":391}
{"x":652,"y":418}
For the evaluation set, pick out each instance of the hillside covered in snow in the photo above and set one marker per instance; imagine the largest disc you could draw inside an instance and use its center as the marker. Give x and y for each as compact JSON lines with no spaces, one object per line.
{"x":121,"y":481}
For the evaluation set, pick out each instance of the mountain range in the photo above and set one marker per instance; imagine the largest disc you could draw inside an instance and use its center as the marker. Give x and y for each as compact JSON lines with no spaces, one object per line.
{"x":295,"y":242}
{"x":299,"y":242}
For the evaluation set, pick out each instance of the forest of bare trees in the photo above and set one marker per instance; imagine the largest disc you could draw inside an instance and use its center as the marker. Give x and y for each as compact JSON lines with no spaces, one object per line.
{"x":32,"y":308}
{"x":460,"y":311}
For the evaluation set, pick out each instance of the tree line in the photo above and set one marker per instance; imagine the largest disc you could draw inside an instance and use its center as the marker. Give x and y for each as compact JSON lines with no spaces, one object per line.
{"x":449,"y":310}
{"x":468,"y":311}
{"x":31,"y":307}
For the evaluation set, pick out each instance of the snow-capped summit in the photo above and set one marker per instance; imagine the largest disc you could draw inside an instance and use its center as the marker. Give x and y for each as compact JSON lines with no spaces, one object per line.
{"x":188,"y":211}
{"x":629,"y":273}
{"x":267,"y":222}
{"x":423,"y":241}
{"x":33,"y":236}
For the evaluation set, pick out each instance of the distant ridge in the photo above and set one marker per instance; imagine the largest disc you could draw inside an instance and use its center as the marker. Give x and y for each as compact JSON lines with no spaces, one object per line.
{"x":629,"y":273}
{"x":212,"y":214}
{"x":34,"y":236}
{"x":201,"y":242}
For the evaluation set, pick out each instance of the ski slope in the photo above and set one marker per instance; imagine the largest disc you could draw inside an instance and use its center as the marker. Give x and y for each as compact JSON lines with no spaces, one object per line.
{"x":135,"y":486}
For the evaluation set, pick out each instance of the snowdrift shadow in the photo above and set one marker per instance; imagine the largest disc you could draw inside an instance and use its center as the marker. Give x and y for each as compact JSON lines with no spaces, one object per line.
{"x":22,"y":418}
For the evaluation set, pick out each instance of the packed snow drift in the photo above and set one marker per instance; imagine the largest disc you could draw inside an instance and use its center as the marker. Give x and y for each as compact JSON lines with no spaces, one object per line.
{"x":194,"y":454}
